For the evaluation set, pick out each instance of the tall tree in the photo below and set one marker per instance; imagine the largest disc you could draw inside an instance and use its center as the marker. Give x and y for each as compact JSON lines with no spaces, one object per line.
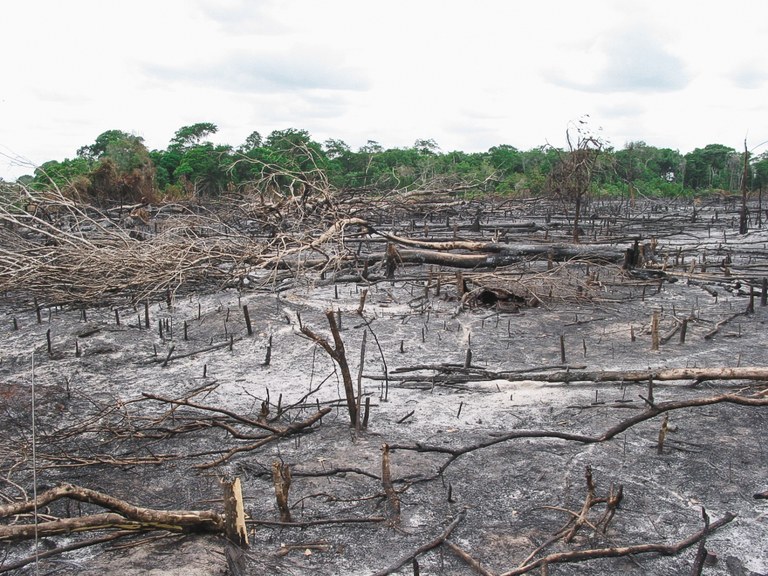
{"x":189,"y":136}
{"x":253,"y":141}
{"x":710,"y":167}
{"x":295,"y":150}
{"x":96,"y":150}
{"x":204,"y":167}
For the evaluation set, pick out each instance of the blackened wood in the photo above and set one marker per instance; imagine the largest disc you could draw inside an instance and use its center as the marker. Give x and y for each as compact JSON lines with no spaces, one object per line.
{"x":247,"y":316}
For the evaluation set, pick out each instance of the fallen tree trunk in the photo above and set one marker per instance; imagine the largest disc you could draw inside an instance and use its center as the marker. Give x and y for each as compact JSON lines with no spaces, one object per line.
{"x":496,"y":256}
{"x":476,"y":246}
{"x":123,"y":516}
{"x":502,"y":254}
{"x":697,"y":374}
{"x":507,"y":256}
{"x":460,"y":374}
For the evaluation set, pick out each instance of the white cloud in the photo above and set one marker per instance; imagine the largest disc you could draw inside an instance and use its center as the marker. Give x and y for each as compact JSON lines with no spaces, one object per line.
{"x":750,"y":75}
{"x":300,"y":68}
{"x":244,"y":17}
{"x":470,"y":75}
{"x":629,"y":59}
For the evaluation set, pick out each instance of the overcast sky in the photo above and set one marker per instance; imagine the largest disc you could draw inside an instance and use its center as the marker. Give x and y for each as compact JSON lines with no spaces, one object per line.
{"x":470,"y":75}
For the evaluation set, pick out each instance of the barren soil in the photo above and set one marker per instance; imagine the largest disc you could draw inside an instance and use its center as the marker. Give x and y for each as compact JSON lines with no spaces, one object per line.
{"x":96,"y":427}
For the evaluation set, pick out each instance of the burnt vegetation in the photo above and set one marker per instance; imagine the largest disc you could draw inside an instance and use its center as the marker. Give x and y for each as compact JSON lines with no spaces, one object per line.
{"x":294,"y":376}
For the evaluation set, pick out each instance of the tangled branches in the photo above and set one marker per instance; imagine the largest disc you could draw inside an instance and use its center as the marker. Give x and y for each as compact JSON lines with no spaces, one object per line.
{"x":65,"y":252}
{"x":287,"y":226}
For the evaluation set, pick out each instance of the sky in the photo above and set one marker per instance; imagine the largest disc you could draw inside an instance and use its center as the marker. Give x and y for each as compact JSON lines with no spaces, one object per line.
{"x":677,"y":74}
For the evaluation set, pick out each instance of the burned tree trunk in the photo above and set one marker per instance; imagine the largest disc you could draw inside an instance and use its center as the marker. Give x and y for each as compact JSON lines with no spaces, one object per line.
{"x":338,"y":354}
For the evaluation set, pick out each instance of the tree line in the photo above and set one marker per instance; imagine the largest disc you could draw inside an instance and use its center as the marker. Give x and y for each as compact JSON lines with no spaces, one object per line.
{"x":118,"y":166}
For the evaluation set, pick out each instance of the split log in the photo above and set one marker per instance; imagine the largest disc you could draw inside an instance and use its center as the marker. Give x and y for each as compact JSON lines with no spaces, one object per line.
{"x":281,"y":478}
{"x":234,"y":513}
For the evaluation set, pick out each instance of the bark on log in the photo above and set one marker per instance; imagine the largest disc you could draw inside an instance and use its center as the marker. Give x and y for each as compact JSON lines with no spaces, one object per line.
{"x":612,"y":252}
{"x":494,"y":254}
{"x":698,"y":374}
{"x":123,"y":516}
{"x":104,"y":521}
{"x":459,"y":374}
{"x":511,"y":255}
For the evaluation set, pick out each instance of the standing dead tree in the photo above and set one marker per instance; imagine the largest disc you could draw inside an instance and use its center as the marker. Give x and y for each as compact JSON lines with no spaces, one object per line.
{"x":743,"y":212}
{"x":338,"y":354}
{"x":571,"y":178}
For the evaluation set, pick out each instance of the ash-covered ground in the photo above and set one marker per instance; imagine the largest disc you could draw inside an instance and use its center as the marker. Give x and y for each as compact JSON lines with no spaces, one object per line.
{"x":440,"y":373}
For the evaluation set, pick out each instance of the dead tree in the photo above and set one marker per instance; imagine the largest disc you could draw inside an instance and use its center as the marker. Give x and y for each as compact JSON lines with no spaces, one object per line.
{"x":338,"y":354}
{"x":743,"y":224}
{"x":122,"y":515}
{"x":571,"y":177}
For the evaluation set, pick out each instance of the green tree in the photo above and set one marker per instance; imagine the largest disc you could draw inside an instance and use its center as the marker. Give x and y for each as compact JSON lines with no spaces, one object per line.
{"x":61,"y":174}
{"x":189,"y":136}
{"x":287,"y":139}
{"x":371,"y":147}
{"x":537,"y":165}
{"x":94,"y":151}
{"x":166,"y":162}
{"x":343,"y":165}
{"x":123,"y":171}
{"x":506,"y":159}
{"x":760,"y":171}
{"x":667,"y":164}
{"x":205,"y":167}
{"x":711,"y":167}
{"x":426,"y":146}
{"x":294,"y":150}
{"x":336,"y":148}
{"x":253,"y":141}
{"x":128,"y":153}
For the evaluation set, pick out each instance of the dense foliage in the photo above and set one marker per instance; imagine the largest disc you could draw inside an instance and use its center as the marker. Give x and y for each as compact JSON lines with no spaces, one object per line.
{"x":118,"y":167}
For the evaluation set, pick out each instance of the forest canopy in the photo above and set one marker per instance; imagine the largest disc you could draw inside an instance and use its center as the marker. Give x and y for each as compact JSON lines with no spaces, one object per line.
{"x":118,"y":167}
